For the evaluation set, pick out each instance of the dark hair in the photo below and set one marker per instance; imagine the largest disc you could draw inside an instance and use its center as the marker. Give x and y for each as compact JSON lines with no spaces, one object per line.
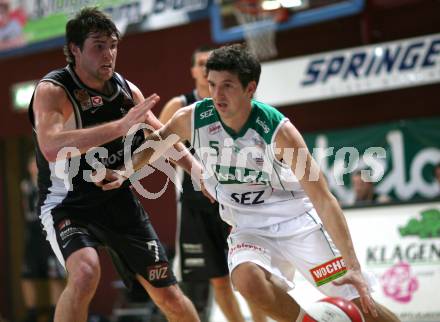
{"x":201,"y":49}
{"x":88,"y":20}
{"x":235,"y":59}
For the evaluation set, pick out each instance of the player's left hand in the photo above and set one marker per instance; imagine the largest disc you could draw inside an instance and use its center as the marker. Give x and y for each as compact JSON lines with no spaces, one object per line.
{"x":355,"y":278}
{"x":113,"y":180}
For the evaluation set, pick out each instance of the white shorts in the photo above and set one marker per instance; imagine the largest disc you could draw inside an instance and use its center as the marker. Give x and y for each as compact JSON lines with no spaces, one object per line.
{"x":308,"y":249}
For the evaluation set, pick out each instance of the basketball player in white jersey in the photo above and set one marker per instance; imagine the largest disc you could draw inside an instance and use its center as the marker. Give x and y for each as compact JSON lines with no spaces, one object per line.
{"x":201,"y":238}
{"x":270,"y":190}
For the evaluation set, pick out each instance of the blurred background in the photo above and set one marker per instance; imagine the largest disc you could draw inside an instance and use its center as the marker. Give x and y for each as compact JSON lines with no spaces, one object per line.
{"x":359,"y":78}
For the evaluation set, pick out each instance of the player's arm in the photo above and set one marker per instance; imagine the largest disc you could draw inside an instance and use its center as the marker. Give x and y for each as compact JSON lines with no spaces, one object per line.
{"x":295,"y":153}
{"x":52,"y":108}
{"x":182,"y":156}
{"x":170,"y":108}
{"x":159,"y":142}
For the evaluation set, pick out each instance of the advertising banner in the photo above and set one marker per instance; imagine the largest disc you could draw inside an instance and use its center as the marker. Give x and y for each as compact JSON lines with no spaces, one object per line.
{"x":401,"y":246}
{"x":374,"y":68}
{"x":399,"y":158}
{"x":35,"y":24}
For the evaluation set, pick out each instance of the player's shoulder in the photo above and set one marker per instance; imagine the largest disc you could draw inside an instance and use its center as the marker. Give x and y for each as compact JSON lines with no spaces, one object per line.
{"x":50,"y":89}
{"x":58,"y":75}
{"x":267,"y":112}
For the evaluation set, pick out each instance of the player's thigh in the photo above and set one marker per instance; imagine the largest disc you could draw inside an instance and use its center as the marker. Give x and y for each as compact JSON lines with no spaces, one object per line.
{"x":318,"y":259}
{"x":259,"y":250}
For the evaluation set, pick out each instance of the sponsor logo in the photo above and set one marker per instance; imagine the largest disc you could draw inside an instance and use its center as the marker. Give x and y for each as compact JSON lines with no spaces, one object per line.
{"x":328,"y":271}
{"x":83,"y":98}
{"x":373,"y":61}
{"x":97,"y":101}
{"x":64,"y":223}
{"x":215,"y":128}
{"x":157,"y":272}
{"x":427,"y":227}
{"x":70,"y":231}
{"x":232,"y":175}
{"x":206,"y":114}
{"x":399,"y":284}
{"x":245,"y":246}
{"x":248,"y":198}
{"x":263,"y":125}
{"x":425,"y":250}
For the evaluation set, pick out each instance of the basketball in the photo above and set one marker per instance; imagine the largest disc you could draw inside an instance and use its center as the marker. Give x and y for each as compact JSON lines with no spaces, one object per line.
{"x":333,"y":309}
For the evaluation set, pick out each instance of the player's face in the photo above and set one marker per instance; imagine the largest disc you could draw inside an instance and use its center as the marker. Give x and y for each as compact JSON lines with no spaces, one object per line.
{"x":98,"y":56}
{"x":198,"y":71}
{"x":229,"y":96}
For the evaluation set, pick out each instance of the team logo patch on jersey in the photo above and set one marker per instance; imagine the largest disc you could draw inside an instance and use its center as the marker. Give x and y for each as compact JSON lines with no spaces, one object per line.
{"x":215,"y":128}
{"x":97,"y":101}
{"x":328,"y":271}
{"x":157,"y":272}
{"x":83,"y":98}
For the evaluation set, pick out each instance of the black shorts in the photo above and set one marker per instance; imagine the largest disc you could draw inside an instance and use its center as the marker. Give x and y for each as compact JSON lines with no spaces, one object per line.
{"x":39,"y":261}
{"x":202,"y":241}
{"x":124,"y":229}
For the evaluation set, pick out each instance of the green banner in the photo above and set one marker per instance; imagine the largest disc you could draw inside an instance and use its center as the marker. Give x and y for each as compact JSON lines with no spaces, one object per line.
{"x":399,"y":156}
{"x":38,"y":21}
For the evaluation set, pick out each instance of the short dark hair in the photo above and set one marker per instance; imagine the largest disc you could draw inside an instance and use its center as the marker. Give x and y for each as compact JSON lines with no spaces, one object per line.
{"x":236,"y":59}
{"x":200,"y":49}
{"x":88,"y":20}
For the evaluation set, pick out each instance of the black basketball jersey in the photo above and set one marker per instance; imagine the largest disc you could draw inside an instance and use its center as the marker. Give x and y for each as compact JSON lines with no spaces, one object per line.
{"x":70,"y":189}
{"x":187,"y":185}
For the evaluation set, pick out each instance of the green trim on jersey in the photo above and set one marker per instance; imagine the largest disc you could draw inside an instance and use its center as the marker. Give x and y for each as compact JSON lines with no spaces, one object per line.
{"x":264,"y":119}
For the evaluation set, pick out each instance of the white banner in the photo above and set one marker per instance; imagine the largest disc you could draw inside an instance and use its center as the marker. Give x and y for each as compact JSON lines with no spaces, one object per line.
{"x":401,"y":246}
{"x":353,"y":71}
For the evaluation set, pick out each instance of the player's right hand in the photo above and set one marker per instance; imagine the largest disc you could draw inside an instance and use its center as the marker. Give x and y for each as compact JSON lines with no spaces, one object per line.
{"x":356,"y":278}
{"x":138,"y":113}
{"x":113,"y":180}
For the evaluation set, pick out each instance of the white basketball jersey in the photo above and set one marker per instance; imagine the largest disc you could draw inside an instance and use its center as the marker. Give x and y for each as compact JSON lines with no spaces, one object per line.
{"x":253,"y":188}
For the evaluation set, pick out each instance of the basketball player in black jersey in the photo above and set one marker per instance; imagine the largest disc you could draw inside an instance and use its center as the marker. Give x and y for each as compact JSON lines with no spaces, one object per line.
{"x":85,"y":105}
{"x":202,"y":235}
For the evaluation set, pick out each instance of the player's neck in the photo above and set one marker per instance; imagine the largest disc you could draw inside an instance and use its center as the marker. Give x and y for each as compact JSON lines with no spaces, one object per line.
{"x":237,"y":121}
{"x":102,"y":86}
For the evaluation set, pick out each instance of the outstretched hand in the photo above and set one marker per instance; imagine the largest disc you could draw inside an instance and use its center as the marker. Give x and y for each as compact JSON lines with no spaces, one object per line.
{"x":355,"y":278}
{"x":113,"y":180}
{"x":139,"y":113}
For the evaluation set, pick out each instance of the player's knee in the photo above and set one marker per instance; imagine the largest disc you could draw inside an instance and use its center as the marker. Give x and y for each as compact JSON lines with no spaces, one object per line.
{"x":249,"y":279}
{"x":172,"y":300}
{"x":85,"y":277}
